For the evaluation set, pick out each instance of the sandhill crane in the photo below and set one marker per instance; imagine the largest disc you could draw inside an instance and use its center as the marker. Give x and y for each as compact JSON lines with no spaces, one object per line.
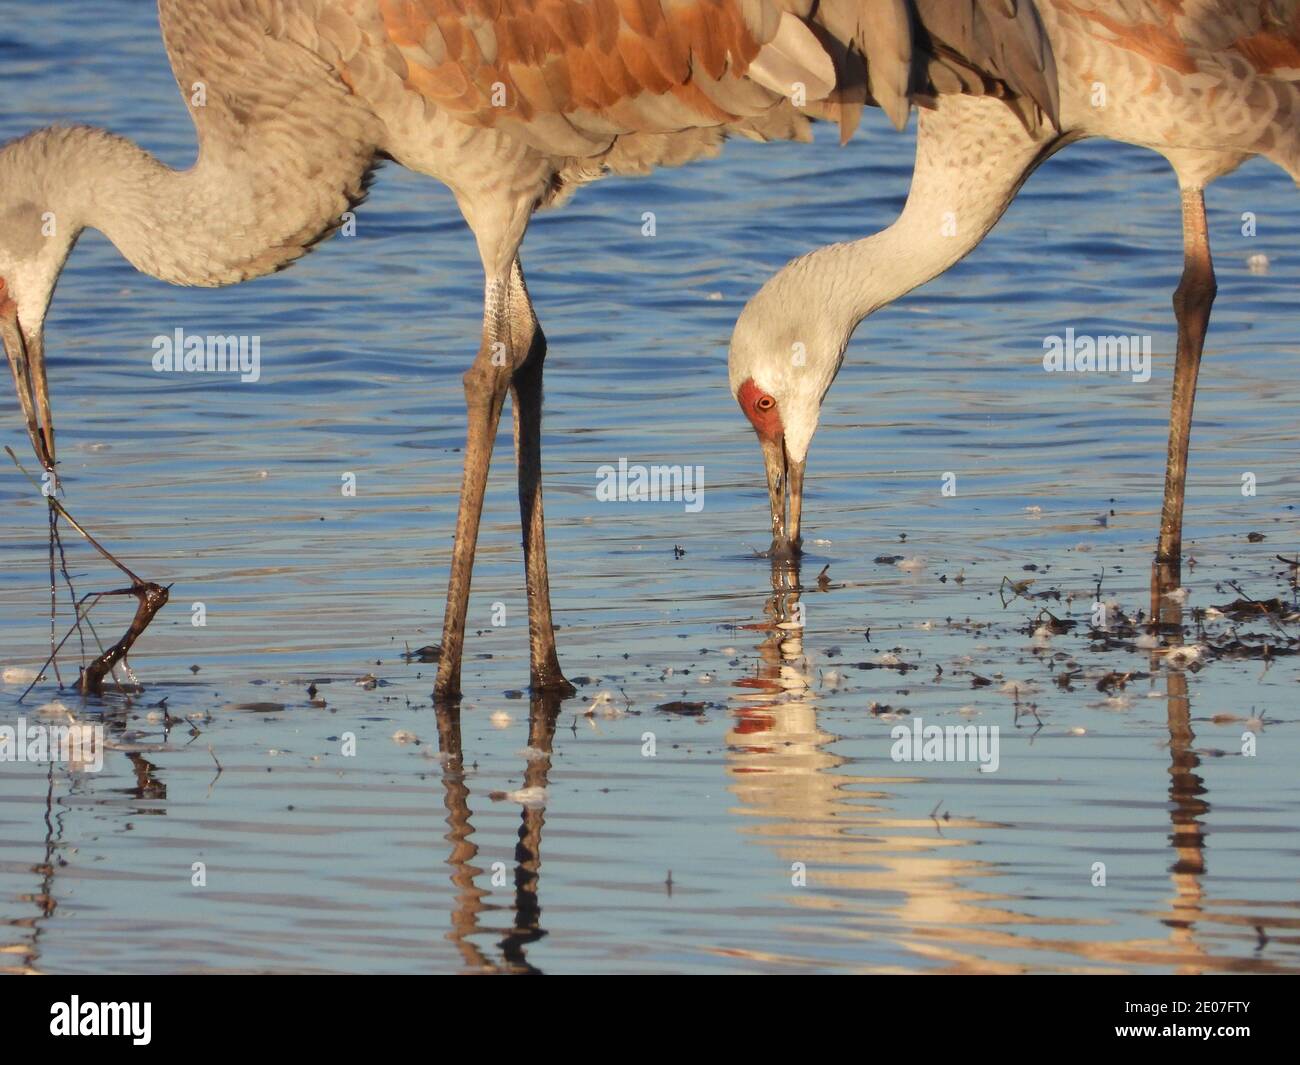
{"x":1207,"y":83}
{"x":512,"y":104}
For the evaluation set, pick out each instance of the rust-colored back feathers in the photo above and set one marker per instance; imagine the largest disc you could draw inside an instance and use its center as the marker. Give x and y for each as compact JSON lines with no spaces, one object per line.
{"x":568,"y":76}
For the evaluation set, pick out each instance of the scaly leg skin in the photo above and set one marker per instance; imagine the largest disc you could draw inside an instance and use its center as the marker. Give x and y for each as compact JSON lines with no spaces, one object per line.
{"x":1192,"y":303}
{"x":486,"y":384}
{"x":526,"y":396}
{"x":510,"y":358}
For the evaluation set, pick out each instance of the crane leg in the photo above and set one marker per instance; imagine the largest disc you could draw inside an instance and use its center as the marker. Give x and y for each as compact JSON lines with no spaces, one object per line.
{"x":486,"y":383}
{"x":510,"y":359}
{"x":1192,"y":302}
{"x":526,"y":397}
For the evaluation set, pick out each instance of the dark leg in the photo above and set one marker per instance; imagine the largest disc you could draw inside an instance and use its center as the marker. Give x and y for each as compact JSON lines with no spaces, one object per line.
{"x":1192,"y":302}
{"x":526,"y":396}
{"x":486,"y":383}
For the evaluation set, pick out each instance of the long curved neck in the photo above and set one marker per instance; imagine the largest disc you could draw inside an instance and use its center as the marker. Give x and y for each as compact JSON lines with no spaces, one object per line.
{"x":872,"y":273}
{"x":972,"y":156}
{"x":236,"y":214}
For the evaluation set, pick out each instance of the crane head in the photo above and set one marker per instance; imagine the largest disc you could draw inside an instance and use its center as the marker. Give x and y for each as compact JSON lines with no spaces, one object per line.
{"x":781,"y":362}
{"x":36,"y":237}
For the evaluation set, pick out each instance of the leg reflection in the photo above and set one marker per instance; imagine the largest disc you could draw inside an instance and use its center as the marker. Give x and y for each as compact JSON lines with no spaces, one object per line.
{"x":471,"y":900}
{"x":543,"y":710}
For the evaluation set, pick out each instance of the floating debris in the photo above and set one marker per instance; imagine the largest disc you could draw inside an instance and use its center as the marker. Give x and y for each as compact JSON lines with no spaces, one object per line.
{"x":1251,"y":609}
{"x":1182,"y":657}
{"x":686,"y":709}
{"x":1048,"y":624}
{"x":533,"y":798}
{"x":1017,"y":688}
{"x":1113,"y":681}
{"x":54,"y":711}
{"x":887,"y":660}
{"x":1016,"y":588}
{"x":886,"y":712}
{"x":430,"y":653}
{"x":603,"y":704}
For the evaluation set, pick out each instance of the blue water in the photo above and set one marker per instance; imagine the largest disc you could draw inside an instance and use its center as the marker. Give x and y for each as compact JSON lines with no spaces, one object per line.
{"x":773,"y":831}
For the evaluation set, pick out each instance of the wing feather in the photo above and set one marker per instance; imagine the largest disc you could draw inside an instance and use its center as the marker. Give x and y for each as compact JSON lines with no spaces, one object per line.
{"x":567,"y":76}
{"x":1000,"y":41}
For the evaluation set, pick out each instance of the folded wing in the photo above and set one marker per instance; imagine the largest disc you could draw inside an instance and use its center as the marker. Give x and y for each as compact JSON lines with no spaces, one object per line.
{"x":570,"y":76}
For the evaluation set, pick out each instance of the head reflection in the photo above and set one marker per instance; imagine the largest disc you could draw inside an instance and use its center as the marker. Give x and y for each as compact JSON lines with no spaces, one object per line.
{"x":876,"y":874}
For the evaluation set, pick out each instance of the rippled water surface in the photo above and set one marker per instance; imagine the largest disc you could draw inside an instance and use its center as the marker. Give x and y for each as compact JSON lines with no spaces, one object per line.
{"x":764,"y":825}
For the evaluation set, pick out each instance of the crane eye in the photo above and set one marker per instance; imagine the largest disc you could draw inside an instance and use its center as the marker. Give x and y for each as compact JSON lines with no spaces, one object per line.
{"x":765,"y":403}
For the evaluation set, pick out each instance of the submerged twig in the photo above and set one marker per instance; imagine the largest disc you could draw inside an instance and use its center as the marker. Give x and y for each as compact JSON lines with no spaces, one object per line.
{"x":81,"y":615}
{"x":150,"y":597}
{"x":63,"y":511}
{"x":1262,"y":608}
{"x":67,"y":578}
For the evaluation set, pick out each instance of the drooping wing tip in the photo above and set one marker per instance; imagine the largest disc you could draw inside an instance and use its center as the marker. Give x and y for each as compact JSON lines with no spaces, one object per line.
{"x":1047,"y":92}
{"x":889,"y":49}
{"x":1000,"y":40}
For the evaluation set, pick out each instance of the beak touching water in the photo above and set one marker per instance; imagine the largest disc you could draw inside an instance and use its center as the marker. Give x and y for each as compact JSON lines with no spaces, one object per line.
{"x":784,"y":486}
{"x":26,"y":357}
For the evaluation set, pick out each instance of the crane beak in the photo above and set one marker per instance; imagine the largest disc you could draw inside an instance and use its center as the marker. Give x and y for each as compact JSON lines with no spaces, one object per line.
{"x":27,"y":362}
{"x":784,"y":486}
